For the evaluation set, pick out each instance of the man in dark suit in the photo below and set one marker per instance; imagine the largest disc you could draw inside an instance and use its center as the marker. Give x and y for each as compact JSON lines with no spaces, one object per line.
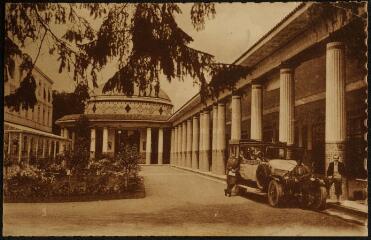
{"x":335,"y":171}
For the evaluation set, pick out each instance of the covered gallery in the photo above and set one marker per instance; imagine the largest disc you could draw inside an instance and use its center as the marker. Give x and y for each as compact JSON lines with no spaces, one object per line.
{"x":307,"y":88}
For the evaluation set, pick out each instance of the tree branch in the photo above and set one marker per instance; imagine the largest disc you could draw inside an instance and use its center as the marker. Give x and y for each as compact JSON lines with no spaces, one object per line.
{"x":38,"y":53}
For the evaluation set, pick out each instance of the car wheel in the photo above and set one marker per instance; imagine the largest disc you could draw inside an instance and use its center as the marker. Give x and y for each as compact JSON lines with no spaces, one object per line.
{"x":320,"y":197}
{"x":275,"y":193}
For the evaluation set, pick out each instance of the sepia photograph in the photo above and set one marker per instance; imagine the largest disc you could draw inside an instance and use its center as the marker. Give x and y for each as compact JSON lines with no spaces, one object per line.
{"x":185,"y":119}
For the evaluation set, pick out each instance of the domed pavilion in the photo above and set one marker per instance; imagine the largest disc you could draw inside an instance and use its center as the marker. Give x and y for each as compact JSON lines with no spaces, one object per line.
{"x":116,"y":119}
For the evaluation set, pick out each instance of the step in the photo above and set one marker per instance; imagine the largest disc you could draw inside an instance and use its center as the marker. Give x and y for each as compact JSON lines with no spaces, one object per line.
{"x":359,"y":210}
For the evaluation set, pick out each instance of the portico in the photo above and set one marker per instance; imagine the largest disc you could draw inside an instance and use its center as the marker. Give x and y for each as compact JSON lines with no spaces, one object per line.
{"x":301,"y":92}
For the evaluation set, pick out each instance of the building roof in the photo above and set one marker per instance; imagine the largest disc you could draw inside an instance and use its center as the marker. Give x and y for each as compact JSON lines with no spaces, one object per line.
{"x":12,"y":127}
{"x":114,"y":117}
{"x":162,"y":94}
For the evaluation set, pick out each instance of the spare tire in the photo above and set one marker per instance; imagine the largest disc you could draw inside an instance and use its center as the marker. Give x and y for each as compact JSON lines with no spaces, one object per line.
{"x":263,"y":176}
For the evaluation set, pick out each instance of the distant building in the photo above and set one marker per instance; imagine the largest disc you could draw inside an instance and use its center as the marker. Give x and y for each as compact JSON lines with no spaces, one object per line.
{"x":28,"y":133}
{"x":116,"y":120}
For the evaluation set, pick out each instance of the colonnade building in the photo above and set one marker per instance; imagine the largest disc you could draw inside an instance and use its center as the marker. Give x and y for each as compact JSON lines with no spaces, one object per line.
{"x":307,"y":88}
{"x":28,"y":136}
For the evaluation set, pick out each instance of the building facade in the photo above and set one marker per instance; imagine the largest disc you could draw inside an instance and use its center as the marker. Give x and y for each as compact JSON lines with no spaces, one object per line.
{"x":28,"y":134}
{"x":307,"y":88}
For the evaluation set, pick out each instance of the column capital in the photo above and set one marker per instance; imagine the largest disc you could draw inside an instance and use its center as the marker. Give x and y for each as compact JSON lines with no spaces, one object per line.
{"x":189,"y":120}
{"x":195,"y":116}
{"x":221,"y":103}
{"x":286,"y":69}
{"x":332,"y":45}
{"x":256,"y":81}
{"x":256,"y":85}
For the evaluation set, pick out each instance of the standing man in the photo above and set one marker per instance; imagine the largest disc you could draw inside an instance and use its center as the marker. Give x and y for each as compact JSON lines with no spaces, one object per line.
{"x":233,"y":166}
{"x":335,"y":171}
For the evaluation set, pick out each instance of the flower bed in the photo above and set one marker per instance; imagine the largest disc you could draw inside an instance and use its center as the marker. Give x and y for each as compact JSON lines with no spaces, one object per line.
{"x":31,"y":184}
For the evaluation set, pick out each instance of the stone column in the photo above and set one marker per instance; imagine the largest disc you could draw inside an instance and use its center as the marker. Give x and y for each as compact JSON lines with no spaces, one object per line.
{"x":220,"y":158}
{"x":206,"y":142}
{"x":105,"y":140}
{"x":214,"y":142}
{"x":236,"y":118}
{"x":175,"y":161}
{"x":73,"y":139}
{"x":62,"y":146}
{"x":256,"y":112}
{"x":195,"y":142}
{"x":148,"y":146}
{"x":189,"y":144}
{"x":201,"y":144}
{"x":43,"y":140}
{"x":300,"y":136}
{"x":335,"y":133}
{"x":160,"y":146}
{"x":172,"y":147}
{"x":66,"y":133}
{"x":184,"y":143}
{"x":20,"y":146}
{"x":37,"y":147}
{"x":50,"y":148}
{"x":29,"y":149}
{"x":287,"y":104}
{"x":55,"y":150}
{"x":92,"y":143}
{"x":10,"y":143}
{"x":179,"y":158}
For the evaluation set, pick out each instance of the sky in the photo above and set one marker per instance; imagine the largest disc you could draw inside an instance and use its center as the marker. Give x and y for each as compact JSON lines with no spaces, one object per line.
{"x":235,"y":28}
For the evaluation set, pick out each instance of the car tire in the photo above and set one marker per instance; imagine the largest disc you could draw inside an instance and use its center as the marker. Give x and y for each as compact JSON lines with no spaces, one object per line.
{"x":320,"y":199}
{"x":275,"y":193}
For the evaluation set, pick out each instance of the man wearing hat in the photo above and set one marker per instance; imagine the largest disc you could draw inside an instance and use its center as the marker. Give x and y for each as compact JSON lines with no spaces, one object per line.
{"x":335,"y":171}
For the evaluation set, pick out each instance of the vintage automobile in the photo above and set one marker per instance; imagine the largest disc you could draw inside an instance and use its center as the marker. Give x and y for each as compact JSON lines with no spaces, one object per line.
{"x":264,"y":166}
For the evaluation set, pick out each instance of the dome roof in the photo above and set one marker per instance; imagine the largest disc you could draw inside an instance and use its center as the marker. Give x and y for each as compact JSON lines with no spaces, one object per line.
{"x":150,"y":92}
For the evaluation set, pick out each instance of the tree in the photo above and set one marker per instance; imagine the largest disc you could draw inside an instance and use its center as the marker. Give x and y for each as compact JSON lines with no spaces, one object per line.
{"x":143,"y":38}
{"x":69,"y":103}
{"x":81,"y":154}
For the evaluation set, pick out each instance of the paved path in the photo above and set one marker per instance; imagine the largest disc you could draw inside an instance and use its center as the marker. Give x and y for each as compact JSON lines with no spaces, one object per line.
{"x":177,"y":203}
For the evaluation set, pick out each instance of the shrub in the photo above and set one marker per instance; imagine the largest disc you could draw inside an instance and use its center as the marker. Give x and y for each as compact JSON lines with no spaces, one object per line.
{"x":28,"y":182}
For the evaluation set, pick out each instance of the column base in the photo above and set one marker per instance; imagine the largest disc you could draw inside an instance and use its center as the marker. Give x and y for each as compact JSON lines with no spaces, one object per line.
{"x":213,"y":160}
{"x":189,"y":159}
{"x":195,"y":160}
{"x":160,"y":158}
{"x":220,"y":162}
{"x":204,"y":161}
{"x":92,"y":155}
{"x":289,"y":152}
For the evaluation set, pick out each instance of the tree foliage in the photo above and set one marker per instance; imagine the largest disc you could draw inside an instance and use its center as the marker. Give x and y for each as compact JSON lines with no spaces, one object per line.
{"x":144,"y":38}
{"x":69,"y":103}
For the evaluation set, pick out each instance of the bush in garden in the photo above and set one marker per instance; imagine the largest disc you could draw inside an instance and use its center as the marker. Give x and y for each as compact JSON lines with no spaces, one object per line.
{"x":129,"y":159}
{"x":79,"y":159}
{"x":28,"y":182}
